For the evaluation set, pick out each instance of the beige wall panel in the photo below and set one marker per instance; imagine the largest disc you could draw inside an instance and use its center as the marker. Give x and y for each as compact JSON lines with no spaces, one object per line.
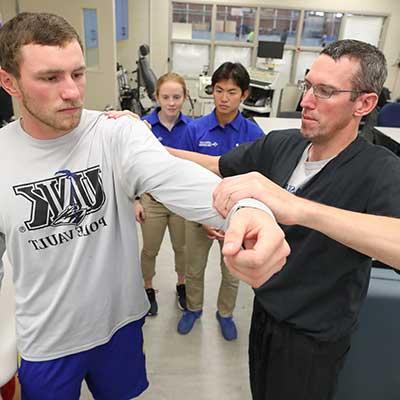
{"x":101,"y":87}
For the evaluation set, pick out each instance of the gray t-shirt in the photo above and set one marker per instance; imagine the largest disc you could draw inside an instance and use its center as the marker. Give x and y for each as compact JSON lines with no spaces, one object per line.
{"x":304,"y":171}
{"x":67,"y":222}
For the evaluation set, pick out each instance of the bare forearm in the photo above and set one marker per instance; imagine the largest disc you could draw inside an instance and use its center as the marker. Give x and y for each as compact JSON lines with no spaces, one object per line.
{"x":373,"y":235}
{"x":209,"y":162}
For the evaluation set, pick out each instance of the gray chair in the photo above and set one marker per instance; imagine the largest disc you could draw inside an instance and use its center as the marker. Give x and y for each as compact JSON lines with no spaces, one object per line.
{"x":372,"y":368}
{"x":130,"y":98}
{"x":146,"y":76}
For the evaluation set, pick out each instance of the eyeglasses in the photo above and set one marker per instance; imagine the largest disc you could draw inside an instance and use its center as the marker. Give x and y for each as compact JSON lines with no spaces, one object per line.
{"x":323,"y":91}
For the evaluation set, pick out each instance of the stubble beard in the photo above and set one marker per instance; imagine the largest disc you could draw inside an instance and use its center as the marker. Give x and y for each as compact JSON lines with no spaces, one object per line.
{"x":53,"y":119}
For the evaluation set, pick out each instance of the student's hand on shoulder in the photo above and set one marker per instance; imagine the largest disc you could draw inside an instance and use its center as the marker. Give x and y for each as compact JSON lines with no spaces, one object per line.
{"x":284,"y":205}
{"x":254,"y":246}
{"x":114,"y":114}
{"x":140,"y":214}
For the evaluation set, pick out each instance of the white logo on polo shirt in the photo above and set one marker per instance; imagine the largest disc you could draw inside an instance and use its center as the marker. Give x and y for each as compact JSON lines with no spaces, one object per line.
{"x":207,"y":143}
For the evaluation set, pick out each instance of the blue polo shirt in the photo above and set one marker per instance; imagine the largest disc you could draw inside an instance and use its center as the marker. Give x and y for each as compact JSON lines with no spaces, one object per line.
{"x":205,"y":135}
{"x":168,"y":138}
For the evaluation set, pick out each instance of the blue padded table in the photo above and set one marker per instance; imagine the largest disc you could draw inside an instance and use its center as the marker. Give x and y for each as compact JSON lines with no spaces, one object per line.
{"x":372,"y":368}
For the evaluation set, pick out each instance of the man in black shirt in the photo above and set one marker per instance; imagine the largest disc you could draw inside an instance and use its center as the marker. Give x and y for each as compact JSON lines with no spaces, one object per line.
{"x":304,"y":315}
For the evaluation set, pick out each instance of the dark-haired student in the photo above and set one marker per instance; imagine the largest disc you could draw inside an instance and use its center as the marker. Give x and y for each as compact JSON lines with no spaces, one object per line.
{"x":215,"y":134}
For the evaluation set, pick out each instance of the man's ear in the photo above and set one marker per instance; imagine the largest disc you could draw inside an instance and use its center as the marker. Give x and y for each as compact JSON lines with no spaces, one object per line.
{"x":9,"y":83}
{"x":245,"y":94}
{"x":364,"y":104}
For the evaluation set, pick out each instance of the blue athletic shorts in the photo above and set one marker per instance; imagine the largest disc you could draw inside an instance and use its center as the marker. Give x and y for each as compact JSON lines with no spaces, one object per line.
{"x":113,"y":371}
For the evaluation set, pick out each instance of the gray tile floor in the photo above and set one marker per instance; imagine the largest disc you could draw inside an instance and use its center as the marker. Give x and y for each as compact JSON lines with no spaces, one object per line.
{"x":200,"y":365}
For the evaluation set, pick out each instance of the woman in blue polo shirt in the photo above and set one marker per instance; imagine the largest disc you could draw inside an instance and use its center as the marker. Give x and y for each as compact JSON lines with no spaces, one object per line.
{"x":168,"y":124}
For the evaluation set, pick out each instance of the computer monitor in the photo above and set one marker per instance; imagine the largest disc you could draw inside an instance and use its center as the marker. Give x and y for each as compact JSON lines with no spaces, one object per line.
{"x":268,"y":49}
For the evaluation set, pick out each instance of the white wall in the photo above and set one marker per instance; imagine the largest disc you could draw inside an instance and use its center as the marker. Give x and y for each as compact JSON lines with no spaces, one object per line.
{"x":159,"y":35}
{"x":101,"y":83}
{"x":160,"y":14}
{"x":7,"y":9}
{"x":139,"y":33}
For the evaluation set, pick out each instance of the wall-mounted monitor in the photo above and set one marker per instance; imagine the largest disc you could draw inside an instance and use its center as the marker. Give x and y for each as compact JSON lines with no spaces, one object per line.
{"x":269,"y":49}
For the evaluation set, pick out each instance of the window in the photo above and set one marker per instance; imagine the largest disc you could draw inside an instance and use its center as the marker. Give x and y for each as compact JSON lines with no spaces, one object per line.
{"x":191,"y":21}
{"x":278,"y":25}
{"x":306,"y":58}
{"x":205,"y":35}
{"x":320,"y":28}
{"x":363,"y":27}
{"x":121,"y":19}
{"x":235,"y":23}
{"x":197,"y":54}
{"x":91,"y":37}
{"x":233,"y":54}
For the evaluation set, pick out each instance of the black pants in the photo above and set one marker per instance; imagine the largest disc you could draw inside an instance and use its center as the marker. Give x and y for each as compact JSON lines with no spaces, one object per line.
{"x":288,"y":365}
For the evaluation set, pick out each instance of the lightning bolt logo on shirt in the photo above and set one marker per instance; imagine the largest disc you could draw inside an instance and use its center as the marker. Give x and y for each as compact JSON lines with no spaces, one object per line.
{"x":65,"y":199}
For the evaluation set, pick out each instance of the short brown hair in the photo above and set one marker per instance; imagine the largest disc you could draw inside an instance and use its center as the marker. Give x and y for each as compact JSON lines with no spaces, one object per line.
{"x":372,"y":71}
{"x":32,"y":28}
{"x":171,"y":76}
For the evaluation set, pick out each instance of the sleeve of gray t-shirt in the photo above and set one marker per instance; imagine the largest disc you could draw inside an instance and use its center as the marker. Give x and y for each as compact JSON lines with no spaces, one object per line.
{"x":184,"y":187}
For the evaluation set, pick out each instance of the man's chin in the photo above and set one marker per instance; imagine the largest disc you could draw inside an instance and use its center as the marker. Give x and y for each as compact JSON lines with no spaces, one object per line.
{"x":307,"y":133}
{"x":70,"y":123}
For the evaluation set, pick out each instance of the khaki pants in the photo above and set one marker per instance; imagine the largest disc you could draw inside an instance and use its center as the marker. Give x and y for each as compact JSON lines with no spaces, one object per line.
{"x":197,"y":248}
{"x":157,"y":218}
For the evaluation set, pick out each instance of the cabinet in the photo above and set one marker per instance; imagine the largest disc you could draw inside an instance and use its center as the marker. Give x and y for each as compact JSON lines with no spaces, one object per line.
{"x":264,"y":94}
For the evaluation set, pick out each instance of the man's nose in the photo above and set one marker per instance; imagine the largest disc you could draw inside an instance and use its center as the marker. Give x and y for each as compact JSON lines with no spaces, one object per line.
{"x":70,"y":89}
{"x":225,"y":96}
{"x":308,"y":99}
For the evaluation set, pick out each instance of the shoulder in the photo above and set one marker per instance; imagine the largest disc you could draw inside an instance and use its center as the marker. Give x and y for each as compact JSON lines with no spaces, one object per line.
{"x":92,"y":120}
{"x":377,"y":156}
{"x":366,"y":150}
{"x":371,"y":169}
{"x":201,"y":121}
{"x":277,"y":144}
{"x":123,"y":128}
{"x":152,"y":117}
{"x":186,"y":119}
{"x":6,"y":134}
{"x":286,"y":137}
{"x":9,"y":128}
{"x":252,"y":128}
{"x":198,"y":125}
{"x":376,"y":170}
